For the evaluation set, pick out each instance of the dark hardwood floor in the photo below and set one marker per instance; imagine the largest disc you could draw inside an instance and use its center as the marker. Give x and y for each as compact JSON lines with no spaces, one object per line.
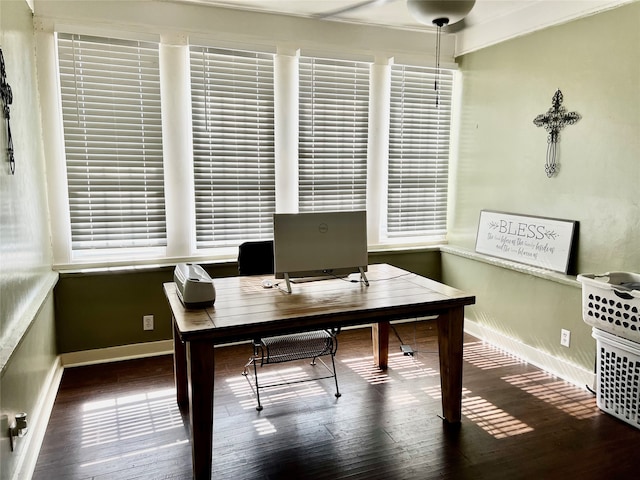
{"x":120,"y":421}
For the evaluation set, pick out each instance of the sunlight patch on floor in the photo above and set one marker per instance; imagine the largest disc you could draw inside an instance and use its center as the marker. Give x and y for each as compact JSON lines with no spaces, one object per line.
{"x":130,"y":416}
{"x":287,"y":393}
{"x":558,"y":393}
{"x":486,"y":415}
{"x":144,"y":451}
{"x":409,"y":367}
{"x":405,"y":398}
{"x":485,"y":356}
{"x":264,"y":426}
{"x":277,"y":391}
{"x":365,"y":367}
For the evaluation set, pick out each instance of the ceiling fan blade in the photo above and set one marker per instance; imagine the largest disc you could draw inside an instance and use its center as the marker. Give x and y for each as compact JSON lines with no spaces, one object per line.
{"x":350,"y":8}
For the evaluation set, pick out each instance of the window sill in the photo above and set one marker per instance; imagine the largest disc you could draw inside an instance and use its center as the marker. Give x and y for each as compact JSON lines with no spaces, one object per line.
{"x":224,"y":256}
{"x":560,"y":278}
{"x":128,"y":266}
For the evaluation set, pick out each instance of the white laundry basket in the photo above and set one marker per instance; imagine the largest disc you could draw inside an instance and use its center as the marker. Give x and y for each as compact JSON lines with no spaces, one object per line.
{"x":618,"y":376}
{"x":611,"y":302}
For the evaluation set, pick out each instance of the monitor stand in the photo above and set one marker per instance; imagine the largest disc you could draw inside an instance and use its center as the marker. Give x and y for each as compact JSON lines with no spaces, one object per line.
{"x":363,"y":277}
{"x":289,"y":281}
{"x":286,"y":279}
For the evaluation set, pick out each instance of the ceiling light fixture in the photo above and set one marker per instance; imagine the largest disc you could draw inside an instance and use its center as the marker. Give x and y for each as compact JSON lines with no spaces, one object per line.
{"x":439,"y":13}
{"x":431,"y":11}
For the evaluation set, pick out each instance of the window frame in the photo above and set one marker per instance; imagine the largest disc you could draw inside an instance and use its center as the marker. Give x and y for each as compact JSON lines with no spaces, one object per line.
{"x":238,"y":82}
{"x":95,"y":84}
{"x":333,"y":134}
{"x":412,"y":147}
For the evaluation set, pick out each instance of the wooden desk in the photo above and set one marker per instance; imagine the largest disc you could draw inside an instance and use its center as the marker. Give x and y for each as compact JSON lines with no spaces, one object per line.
{"x":244,"y":310}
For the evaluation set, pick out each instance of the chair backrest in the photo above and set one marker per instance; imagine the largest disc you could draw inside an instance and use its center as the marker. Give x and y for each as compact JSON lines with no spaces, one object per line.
{"x":255,"y":258}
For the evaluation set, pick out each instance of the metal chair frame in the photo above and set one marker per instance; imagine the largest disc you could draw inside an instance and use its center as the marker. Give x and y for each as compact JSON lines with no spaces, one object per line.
{"x":287,"y":348}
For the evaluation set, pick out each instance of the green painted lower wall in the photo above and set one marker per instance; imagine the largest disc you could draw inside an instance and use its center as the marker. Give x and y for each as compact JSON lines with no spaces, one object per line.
{"x":24,"y":383}
{"x":105,"y":309}
{"x":425,"y":262}
{"x":525,"y":308}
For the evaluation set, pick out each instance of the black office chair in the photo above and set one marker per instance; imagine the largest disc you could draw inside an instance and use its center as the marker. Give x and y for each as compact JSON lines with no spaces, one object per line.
{"x":256,"y":258}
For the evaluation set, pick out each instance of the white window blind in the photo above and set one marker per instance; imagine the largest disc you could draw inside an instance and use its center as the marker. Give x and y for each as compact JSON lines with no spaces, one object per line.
{"x":333,"y":119}
{"x":418,"y":151}
{"x":233,"y":145}
{"x":113,"y":142}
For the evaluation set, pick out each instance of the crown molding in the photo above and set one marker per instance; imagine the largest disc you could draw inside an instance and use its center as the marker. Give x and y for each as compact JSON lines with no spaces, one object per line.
{"x":532,"y":17}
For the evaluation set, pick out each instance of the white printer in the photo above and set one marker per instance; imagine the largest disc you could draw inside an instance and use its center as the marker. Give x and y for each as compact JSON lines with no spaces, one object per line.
{"x":195,"y":286}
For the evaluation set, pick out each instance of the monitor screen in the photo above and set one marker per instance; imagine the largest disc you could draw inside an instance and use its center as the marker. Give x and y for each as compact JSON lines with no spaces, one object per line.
{"x":319,"y":243}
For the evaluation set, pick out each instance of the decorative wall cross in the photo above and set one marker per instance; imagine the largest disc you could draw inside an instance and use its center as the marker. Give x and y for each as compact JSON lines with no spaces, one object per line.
{"x":7,"y":99}
{"x":553,"y":121}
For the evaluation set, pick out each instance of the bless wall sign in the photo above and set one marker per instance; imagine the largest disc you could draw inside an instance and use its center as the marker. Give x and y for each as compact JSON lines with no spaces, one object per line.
{"x":538,"y":241}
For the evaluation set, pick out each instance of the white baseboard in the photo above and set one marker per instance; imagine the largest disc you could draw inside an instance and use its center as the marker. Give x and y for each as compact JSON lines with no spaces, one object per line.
{"x":556,"y":366}
{"x":32,"y":442}
{"x":113,"y":354}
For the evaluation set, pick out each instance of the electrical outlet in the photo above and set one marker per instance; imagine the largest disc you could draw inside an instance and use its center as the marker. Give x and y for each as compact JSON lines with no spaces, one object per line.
{"x":565,"y":337}
{"x":147,"y":322}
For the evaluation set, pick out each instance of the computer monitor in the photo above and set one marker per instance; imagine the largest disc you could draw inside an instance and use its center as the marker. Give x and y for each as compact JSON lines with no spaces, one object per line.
{"x":319,"y":244}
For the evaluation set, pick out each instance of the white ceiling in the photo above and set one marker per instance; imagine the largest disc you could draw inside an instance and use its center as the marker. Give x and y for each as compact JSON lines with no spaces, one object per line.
{"x":489,"y":22}
{"x":389,"y":13}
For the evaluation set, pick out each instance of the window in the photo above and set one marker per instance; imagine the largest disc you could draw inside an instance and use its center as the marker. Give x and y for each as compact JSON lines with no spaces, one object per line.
{"x":418,"y":151}
{"x":116,"y":176}
{"x":110,"y":93}
{"x":233,"y":145}
{"x":333,"y":113}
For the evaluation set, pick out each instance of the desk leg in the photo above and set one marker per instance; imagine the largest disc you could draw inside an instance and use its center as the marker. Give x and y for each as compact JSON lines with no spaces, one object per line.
{"x":200,"y":368}
{"x":180,"y":370}
{"x":450,"y":339}
{"x":380,"y":338}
